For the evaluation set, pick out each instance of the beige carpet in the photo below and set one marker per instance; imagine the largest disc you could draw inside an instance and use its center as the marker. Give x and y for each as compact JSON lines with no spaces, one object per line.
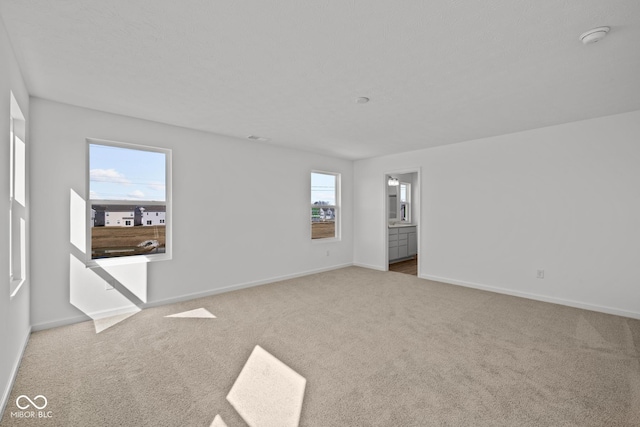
{"x":376,"y":349}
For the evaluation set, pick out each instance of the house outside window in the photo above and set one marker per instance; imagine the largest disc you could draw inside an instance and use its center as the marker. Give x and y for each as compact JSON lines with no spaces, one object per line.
{"x":126,"y":183}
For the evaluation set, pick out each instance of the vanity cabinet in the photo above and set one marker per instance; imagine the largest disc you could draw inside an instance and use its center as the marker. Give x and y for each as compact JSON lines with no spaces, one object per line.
{"x":393,"y":244}
{"x":403,"y":243}
{"x":413,"y":242}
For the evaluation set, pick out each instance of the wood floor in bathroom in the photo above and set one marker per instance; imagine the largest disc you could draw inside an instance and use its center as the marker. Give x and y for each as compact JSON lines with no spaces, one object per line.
{"x":409,"y":266}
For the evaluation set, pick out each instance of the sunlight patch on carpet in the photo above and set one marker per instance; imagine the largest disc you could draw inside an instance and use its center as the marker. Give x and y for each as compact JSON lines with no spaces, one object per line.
{"x":200,"y":313}
{"x":267,"y":392}
{"x":218,"y":422}
{"x":106,"y":322}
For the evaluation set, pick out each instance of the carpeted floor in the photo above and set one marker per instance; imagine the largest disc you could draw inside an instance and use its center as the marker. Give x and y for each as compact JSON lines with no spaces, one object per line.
{"x":375,"y":348}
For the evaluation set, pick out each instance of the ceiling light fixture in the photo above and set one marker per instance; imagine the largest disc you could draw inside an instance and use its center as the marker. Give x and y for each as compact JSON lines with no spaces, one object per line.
{"x":594,"y":35}
{"x":393,"y":182}
{"x":362,"y":100}
{"x":258,"y":138}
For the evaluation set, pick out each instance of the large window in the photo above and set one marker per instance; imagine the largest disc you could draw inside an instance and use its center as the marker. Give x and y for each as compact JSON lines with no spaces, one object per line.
{"x":129,"y":188}
{"x":325,"y":205}
{"x":17,"y":198}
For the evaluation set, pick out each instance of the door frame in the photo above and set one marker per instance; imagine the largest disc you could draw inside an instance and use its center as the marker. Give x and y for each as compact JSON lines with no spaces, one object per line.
{"x":417,"y":204}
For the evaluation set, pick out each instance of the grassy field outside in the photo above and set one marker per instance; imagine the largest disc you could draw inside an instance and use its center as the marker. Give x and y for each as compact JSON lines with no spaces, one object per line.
{"x":107,"y":242}
{"x":323,"y":229}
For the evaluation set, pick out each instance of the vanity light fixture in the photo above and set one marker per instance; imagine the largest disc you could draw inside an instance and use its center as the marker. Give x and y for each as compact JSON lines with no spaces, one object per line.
{"x":393,"y":182}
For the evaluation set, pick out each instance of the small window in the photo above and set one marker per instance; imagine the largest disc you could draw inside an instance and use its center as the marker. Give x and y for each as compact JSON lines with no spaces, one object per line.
{"x":325,"y":208}
{"x":17,"y":198}
{"x":405,"y":202}
{"x":126,"y":182}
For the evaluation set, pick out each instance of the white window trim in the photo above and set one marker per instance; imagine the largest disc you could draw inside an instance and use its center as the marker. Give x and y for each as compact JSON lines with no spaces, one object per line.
{"x":336,"y":207}
{"x":134,"y":259}
{"x":18,"y":209}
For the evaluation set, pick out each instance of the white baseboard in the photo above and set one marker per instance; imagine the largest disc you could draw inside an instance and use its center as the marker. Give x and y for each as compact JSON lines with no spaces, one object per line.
{"x":181,"y":298}
{"x":238,"y":286}
{"x":14,"y":373}
{"x":115,"y":312}
{"x":537,"y":297}
{"x":60,"y":322}
{"x":369,"y":266}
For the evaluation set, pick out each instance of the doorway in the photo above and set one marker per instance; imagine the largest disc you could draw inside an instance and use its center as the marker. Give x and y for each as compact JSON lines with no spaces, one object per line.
{"x":402,"y":220}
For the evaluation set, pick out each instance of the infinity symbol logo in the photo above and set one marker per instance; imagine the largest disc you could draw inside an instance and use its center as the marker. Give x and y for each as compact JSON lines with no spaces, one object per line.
{"x":35,"y":405}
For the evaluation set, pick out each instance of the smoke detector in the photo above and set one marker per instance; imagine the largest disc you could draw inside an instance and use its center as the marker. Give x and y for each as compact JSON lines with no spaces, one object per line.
{"x":594,"y":35}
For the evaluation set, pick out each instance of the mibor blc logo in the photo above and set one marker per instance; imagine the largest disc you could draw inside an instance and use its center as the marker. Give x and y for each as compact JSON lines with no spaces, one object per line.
{"x":31,"y":408}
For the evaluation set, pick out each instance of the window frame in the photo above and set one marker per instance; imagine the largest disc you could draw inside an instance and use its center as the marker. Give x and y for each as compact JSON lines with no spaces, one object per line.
{"x":168,"y":254}
{"x":18,"y":198}
{"x":336,"y":208}
{"x":406,"y":203}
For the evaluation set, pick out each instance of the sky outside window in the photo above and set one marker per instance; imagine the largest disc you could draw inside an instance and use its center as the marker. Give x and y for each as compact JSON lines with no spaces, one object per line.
{"x":117,"y":173}
{"x":323,"y":188}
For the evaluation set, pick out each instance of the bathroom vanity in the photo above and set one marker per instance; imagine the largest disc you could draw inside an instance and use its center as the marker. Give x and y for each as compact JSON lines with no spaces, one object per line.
{"x":403,"y":242}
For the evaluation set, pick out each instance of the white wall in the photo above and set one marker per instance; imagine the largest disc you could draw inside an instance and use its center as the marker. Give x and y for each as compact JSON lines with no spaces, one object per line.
{"x":220,"y":185}
{"x":565,"y":199}
{"x":14,"y":312}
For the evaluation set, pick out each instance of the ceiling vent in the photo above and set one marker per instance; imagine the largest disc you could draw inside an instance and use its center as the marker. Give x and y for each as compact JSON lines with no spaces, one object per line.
{"x":258,"y":138}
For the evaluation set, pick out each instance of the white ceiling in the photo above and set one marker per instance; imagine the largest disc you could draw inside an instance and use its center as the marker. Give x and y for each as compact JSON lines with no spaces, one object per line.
{"x":437,"y":72}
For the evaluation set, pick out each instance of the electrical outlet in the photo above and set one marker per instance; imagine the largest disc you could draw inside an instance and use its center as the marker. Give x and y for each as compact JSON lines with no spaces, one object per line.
{"x":328,"y":253}
{"x":540,"y":274}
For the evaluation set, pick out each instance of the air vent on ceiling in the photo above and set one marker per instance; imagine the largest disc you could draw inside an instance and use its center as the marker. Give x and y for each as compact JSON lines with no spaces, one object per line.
{"x":258,"y":138}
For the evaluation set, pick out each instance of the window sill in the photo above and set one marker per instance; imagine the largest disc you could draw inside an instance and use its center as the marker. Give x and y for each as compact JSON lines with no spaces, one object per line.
{"x":138,"y":259}
{"x":326,"y":240}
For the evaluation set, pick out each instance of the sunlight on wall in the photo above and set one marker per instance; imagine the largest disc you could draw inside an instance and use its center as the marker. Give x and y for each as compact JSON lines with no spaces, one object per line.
{"x":77,"y":212}
{"x":132,"y":276}
{"x":108,"y":293}
{"x":91,"y":294}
